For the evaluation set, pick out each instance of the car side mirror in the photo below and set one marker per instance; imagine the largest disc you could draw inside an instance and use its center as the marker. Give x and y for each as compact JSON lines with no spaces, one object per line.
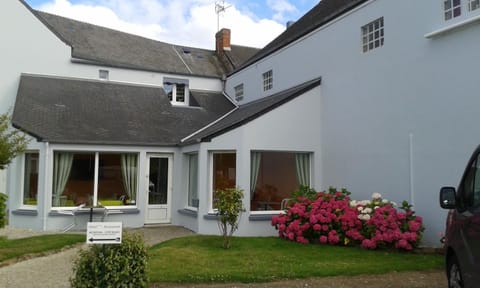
{"x":448,"y":197}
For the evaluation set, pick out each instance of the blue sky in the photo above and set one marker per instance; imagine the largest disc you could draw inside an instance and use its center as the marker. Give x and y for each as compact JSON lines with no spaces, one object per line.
{"x":185,"y":22}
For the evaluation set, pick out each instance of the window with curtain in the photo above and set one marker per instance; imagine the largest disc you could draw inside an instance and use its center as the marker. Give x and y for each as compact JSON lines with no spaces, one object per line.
{"x":74,"y":179}
{"x":30,"y":178}
{"x":224,"y":172}
{"x":274,"y":176}
{"x":193,"y":180}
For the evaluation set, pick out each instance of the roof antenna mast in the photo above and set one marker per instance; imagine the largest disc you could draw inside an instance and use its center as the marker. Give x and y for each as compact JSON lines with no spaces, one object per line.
{"x":220,"y":8}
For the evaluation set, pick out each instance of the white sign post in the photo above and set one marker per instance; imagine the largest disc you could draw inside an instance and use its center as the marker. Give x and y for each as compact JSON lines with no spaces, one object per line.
{"x":104,"y":232}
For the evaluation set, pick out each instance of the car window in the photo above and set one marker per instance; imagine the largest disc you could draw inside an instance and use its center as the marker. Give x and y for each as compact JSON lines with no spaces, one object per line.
{"x":466,"y":193}
{"x":476,"y":185}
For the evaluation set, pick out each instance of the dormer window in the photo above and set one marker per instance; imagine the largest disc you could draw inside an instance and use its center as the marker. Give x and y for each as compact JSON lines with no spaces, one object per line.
{"x":176,"y":90}
{"x":103,"y":74}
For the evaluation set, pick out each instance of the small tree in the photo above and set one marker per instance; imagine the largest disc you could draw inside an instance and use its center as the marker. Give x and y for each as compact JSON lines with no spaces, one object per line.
{"x":229,"y":204}
{"x":3,"y":208}
{"x":12,"y":141}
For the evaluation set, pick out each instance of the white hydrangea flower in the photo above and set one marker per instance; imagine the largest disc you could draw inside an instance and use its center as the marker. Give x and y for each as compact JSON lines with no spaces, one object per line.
{"x":376,"y":195}
{"x":376,"y":207}
{"x":367,"y":210}
{"x":353,"y":203}
{"x":385,"y":201}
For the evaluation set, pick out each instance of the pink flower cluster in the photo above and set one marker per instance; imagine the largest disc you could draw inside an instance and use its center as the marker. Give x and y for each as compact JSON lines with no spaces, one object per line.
{"x":330,"y":218}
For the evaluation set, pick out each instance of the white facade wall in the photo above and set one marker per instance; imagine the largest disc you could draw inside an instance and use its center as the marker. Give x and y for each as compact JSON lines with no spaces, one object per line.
{"x":398,"y":120}
{"x":288,"y":128}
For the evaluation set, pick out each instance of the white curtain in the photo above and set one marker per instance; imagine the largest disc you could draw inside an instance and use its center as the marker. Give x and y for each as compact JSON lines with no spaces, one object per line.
{"x":129,"y":173}
{"x":61,"y":171}
{"x":192,"y":181}
{"x":254,"y":169}
{"x":302,"y":161}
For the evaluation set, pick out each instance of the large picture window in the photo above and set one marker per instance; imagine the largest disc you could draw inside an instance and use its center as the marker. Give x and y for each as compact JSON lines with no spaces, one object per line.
{"x":224,"y":172}
{"x":30,"y":179}
{"x":274,"y":176}
{"x":108,"y":179}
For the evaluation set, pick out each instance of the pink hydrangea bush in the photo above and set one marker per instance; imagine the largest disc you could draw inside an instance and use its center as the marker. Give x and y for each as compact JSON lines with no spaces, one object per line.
{"x":330,"y":217}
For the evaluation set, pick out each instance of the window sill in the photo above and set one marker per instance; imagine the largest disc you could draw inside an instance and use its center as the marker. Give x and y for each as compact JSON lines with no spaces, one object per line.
{"x":210,"y":216}
{"x":86,"y":211}
{"x":25,"y":212}
{"x":263,"y":217}
{"x":452,"y":27}
{"x":188,"y":212}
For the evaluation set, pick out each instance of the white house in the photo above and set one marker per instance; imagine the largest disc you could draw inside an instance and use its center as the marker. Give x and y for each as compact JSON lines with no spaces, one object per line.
{"x":354,"y":94}
{"x":398,"y":98}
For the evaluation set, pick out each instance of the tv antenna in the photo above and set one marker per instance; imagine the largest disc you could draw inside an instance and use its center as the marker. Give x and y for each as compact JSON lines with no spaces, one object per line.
{"x":220,"y":7}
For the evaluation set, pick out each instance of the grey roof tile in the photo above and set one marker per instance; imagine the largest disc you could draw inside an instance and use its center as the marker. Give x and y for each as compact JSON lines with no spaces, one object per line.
{"x":250,"y":111}
{"x":61,"y":110}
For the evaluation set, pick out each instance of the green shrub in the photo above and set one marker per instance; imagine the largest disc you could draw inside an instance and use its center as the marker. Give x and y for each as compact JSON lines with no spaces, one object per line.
{"x":229,"y":207}
{"x":3,"y":210}
{"x":123,"y":265}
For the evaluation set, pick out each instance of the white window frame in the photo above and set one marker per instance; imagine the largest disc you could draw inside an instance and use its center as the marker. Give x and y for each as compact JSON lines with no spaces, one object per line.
{"x":473,"y":5}
{"x":22,"y":185}
{"x":210,"y":169}
{"x":189,"y":155}
{"x":267,"y":80}
{"x":451,"y":9}
{"x":103,"y":74}
{"x":174,"y":100}
{"x":373,"y":35}
{"x":95,"y":177}
{"x":239,"y":92}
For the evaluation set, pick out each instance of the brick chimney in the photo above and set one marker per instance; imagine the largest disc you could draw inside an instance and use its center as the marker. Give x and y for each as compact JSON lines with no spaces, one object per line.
{"x":223,"y":41}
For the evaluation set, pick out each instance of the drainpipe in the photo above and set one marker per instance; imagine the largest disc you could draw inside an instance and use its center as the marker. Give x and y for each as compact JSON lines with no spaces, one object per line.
{"x":224,"y":82}
{"x":45,"y":187}
{"x":412,"y":183}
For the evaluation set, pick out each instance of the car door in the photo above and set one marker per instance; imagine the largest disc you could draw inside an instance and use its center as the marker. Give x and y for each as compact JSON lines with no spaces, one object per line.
{"x":468,"y":223}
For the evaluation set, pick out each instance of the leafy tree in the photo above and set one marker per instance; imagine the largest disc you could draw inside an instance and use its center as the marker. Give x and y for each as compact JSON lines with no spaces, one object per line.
{"x":12,"y":141}
{"x":229,"y":205}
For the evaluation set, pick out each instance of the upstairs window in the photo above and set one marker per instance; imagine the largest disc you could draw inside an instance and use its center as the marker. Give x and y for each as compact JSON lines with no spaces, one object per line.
{"x":267,"y":80}
{"x":176,"y":90}
{"x":372,"y":35}
{"x":239,"y":92}
{"x":473,"y":5}
{"x":103,"y":74}
{"x":452,"y":8}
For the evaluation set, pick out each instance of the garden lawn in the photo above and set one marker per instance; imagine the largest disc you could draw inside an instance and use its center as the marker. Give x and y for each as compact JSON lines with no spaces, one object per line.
{"x":18,"y":248}
{"x":197,"y":259}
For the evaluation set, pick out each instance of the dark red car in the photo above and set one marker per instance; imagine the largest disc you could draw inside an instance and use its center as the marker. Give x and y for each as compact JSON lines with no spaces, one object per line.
{"x":462,"y":235}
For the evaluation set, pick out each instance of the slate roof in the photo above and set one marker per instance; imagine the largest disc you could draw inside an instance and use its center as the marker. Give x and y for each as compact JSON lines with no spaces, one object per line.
{"x":250,"y":111}
{"x":237,"y":56}
{"x":109,"y":47}
{"x":63,"y":110}
{"x":322,"y":13}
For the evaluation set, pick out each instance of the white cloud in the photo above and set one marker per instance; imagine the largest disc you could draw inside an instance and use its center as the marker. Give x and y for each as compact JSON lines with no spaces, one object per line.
{"x":281,"y":7}
{"x":187,"y":22}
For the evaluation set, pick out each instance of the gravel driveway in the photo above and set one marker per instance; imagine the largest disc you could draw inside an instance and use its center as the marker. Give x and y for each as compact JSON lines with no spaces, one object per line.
{"x":55,"y":270}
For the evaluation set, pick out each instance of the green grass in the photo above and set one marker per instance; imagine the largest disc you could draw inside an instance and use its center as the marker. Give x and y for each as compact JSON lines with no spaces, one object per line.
{"x":198,"y":259}
{"x":18,"y":248}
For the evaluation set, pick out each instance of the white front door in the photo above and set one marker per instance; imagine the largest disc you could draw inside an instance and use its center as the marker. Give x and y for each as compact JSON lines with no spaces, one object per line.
{"x":159,"y":188}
